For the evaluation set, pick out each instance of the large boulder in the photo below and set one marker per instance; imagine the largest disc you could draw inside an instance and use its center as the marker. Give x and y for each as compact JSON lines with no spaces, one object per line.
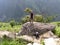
{"x":41,"y":37}
{"x":31,"y":28}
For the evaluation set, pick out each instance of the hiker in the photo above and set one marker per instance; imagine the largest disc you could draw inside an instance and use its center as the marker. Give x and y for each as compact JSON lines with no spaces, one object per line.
{"x":36,"y":35}
{"x":31,"y":17}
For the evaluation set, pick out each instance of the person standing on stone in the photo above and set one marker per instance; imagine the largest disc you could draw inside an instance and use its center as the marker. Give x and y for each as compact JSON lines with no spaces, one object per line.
{"x":31,"y":14}
{"x":31,"y":17}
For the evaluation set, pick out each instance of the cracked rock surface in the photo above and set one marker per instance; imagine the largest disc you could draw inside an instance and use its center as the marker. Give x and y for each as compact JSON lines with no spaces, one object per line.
{"x":41,"y":28}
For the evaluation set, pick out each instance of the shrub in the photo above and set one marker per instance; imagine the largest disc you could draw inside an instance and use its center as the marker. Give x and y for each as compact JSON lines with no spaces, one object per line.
{"x":38,"y":18}
{"x":25,"y":19}
{"x":57,"y":29}
{"x":58,"y":24}
{"x":12,"y":23}
{"x":13,"y":42}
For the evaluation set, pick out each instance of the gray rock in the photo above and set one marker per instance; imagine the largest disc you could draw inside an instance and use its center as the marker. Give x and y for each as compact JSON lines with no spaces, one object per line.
{"x":31,"y":29}
{"x":8,"y":34}
{"x":41,"y":37}
{"x":52,"y":41}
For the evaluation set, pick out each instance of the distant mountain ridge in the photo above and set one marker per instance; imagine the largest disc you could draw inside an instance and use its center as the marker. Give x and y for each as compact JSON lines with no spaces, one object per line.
{"x":15,"y":8}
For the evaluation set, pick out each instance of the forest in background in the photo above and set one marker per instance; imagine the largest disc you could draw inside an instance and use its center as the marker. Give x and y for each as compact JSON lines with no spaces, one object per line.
{"x":14,"y":9}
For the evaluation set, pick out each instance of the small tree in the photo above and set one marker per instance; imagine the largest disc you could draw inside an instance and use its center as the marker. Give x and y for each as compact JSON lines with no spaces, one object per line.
{"x":31,"y":14}
{"x":28,"y":10}
{"x":25,"y":19}
{"x":37,"y":18}
{"x":12,"y":23}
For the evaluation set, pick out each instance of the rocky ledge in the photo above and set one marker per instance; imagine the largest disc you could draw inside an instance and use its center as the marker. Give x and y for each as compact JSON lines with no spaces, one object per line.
{"x":31,"y":28}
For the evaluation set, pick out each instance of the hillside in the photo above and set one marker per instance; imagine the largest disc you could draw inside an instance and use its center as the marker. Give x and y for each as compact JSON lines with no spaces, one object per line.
{"x":15,"y":8}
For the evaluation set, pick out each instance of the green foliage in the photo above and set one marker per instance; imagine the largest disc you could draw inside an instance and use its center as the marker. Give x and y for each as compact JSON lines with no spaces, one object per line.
{"x":42,"y":42}
{"x":25,"y":19}
{"x":28,"y":10}
{"x":17,"y":41}
{"x":7,"y":26}
{"x":12,"y":23}
{"x":57,"y":29}
{"x":37,"y":18}
{"x":58,"y":24}
{"x":6,"y":41}
{"x":48,"y":19}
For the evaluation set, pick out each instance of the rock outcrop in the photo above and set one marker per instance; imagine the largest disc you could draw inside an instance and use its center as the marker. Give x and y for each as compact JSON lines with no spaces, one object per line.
{"x":8,"y":34}
{"x":28,"y":31}
{"x":31,"y":28}
{"x":52,"y":41}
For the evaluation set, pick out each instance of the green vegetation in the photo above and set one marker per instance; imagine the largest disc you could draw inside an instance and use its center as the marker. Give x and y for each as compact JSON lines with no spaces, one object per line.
{"x":28,"y":10}
{"x":8,"y":27}
{"x":14,"y":26}
{"x":12,"y":23}
{"x":38,"y":18}
{"x":8,"y":41}
{"x":57,"y":29}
